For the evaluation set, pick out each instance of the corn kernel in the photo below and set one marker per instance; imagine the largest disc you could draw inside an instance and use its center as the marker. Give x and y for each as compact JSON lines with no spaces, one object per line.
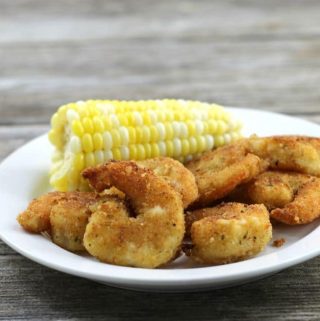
{"x":169,"y":131}
{"x":162,"y":148}
{"x":107,"y":154}
{"x":98,"y":124}
{"x":218,"y":140}
{"x":191,"y":128}
{"x":116,"y":154}
{"x":125,"y":154}
{"x":155,"y":151}
{"x":169,"y":148}
{"x":115,"y":137}
{"x":148,"y":151}
{"x":97,"y":141}
{"x":141,"y":154}
{"x":99,"y":157}
{"x":107,"y":123}
{"x":193,"y":145}
{"x":75,"y":145}
{"x":79,"y":161}
{"x":89,"y":159}
{"x":163,"y":130}
{"x":132,"y":135}
{"x":87,"y":143}
{"x":124,"y":135}
{"x":185,"y":147}
{"x":77,"y":128}
{"x":154,"y":135}
{"x":201,"y":142}
{"x":133,"y":151}
{"x":88,"y":125}
{"x":107,"y":140}
{"x":145,"y":134}
{"x":176,"y":147}
{"x":138,"y":135}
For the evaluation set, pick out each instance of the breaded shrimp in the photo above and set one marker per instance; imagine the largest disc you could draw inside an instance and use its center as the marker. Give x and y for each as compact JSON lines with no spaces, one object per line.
{"x":228,"y":233}
{"x":148,"y":239}
{"x":293,"y":198}
{"x":218,"y":172}
{"x":36,"y":218}
{"x":64,"y":215}
{"x":69,"y":218}
{"x":179,"y":177}
{"x":292,"y":153}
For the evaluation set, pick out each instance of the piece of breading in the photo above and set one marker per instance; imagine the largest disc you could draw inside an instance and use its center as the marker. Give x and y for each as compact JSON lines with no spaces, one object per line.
{"x":176,"y":175}
{"x":292,"y":153}
{"x":220,"y":171}
{"x":292,"y":198}
{"x":228,"y":233}
{"x":152,"y":235}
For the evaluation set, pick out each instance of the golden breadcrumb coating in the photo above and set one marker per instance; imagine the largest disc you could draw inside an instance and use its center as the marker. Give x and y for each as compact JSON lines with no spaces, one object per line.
{"x":293,"y":198}
{"x":149,"y":237}
{"x":178,"y":176}
{"x":292,"y":153}
{"x":228,"y":233}
{"x":220,"y":171}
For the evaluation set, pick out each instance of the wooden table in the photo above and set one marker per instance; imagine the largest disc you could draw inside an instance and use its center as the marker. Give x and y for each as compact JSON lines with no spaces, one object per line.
{"x":258,"y":54}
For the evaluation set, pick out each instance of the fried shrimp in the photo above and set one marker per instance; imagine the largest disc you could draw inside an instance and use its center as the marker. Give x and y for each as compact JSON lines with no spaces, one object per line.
{"x":36,"y":218}
{"x":292,"y":153}
{"x":152,"y":235}
{"x":176,"y":175}
{"x":63,"y":215}
{"x":293,"y":198}
{"x":218,"y":172}
{"x":69,"y":218}
{"x":228,"y":233}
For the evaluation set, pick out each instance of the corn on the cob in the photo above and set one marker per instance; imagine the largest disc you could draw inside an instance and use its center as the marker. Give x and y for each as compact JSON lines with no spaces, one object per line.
{"x":88,"y":133}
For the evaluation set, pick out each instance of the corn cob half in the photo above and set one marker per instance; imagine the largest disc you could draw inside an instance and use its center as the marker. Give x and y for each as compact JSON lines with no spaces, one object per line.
{"x":87,"y":133}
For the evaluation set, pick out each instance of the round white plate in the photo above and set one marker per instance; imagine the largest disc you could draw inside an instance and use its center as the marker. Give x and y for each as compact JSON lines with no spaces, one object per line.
{"x":24,"y":175}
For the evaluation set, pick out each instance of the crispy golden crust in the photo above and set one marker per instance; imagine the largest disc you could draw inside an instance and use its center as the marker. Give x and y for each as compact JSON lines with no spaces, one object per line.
{"x":175,"y":174}
{"x":63,"y":215}
{"x":69,"y":218}
{"x":293,"y":198}
{"x":292,"y":153}
{"x":220,"y":171}
{"x":149,"y":239}
{"x":36,"y":218}
{"x":228,"y":233}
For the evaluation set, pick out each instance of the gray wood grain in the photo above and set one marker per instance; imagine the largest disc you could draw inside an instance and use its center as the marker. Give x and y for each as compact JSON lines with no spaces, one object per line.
{"x":256,"y":54}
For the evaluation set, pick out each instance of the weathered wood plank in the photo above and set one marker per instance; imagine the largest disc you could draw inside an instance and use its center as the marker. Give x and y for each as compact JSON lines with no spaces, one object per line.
{"x":12,"y":137}
{"x":281,"y":77}
{"x":217,"y":20}
{"x":45,"y":294}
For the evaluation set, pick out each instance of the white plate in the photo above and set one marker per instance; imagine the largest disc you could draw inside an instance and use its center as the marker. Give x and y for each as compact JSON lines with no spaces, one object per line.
{"x":23,"y":175}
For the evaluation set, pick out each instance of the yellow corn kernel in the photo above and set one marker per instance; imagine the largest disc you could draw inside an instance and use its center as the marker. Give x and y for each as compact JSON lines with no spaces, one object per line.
{"x":87,"y":143}
{"x":97,"y":141}
{"x":98,"y":124}
{"x":133,"y":151}
{"x":132,"y":135}
{"x":77,"y":128}
{"x":88,"y":125}
{"x":115,"y":137}
{"x":141,"y":154}
{"x":79,"y":161}
{"x":89,"y":159}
